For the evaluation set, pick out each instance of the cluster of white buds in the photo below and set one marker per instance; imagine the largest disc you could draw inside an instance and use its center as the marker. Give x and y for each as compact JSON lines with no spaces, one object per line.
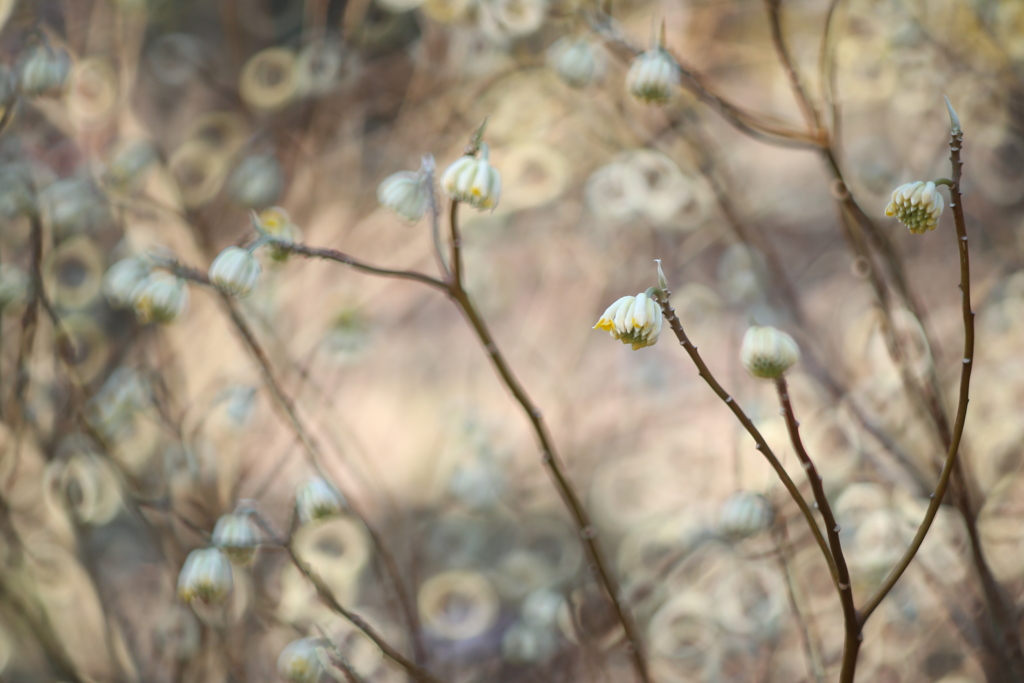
{"x":576,"y":60}
{"x":917,"y":205}
{"x":316,"y":499}
{"x":634,"y":320}
{"x":472,"y":180}
{"x":43,"y":71}
{"x":653,"y":76}
{"x":407,"y":193}
{"x":159,"y":298}
{"x":206,"y":576}
{"x":299,"y":661}
{"x":768,"y":353}
{"x":235,"y":271}
{"x":745,"y":514}
{"x":238,"y":537}
{"x":122,"y":278}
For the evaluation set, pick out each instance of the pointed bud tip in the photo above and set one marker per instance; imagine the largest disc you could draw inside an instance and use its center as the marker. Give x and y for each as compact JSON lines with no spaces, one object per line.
{"x":954,"y":120}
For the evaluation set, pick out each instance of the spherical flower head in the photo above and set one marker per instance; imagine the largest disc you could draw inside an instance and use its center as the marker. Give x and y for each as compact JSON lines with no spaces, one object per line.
{"x":634,"y":320}
{"x":472,"y":180}
{"x":122,"y":278}
{"x":206,"y":576}
{"x":159,"y":298}
{"x":917,"y":205}
{"x":406,"y":193}
{"x":316,"y":499}
{"x":576,"y":60}
{"x":298,"y":661}
{"x":237,"y":537}
{"x":235,"y":271}
{"x":277,"y":224}
{"x":745,"y":514}
{"x":653,"y":77}
{"x":767,"y":352}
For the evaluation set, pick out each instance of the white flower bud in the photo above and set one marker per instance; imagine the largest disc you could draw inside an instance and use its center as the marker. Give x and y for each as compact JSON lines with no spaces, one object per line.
{"x":316,"y":499}
{"x":633,"y":320}
{"x":126,"y":169}
{"x":576,"y":60}
{"x":257,"y":181}
{"x":298,"y":661}
{"x":238,"y":537}
{"x":767,"y":352}
{"x":206,"y":576}
{"x":653,"y":77}
{"x":159,"y":298}
{"x":917,"y":205}
{"x":122,"y":279}
{"x":235,"y":271}
{"x":472,"y":180}
{"x":276,"y":223}
{"x":14,"y":284}
{"x":406,"y":193}
{"x":744,"y":514}
{"x":43,"y":71}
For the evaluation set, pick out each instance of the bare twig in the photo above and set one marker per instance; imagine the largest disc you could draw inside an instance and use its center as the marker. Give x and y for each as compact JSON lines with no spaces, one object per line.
{"x":811,"y":651}
{"x":852,"y":639}
{"x":760,"y":443}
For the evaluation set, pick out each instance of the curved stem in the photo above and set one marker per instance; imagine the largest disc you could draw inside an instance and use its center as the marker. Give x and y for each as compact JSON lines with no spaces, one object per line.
{"x":851,"y":624}
{"x":550,"y":459}
{"x":807,"y":108}
{"x":340,"y":257}
{"x":761,"y":445}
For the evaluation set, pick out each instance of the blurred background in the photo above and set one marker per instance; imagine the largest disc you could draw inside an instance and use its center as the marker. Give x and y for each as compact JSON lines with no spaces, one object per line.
{"x":134,"y":127}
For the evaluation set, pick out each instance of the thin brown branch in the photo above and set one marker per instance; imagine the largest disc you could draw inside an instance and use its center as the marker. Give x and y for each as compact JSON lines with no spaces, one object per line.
{"x":807,"y":108}
{"x":852,"y":638}
{"x":811,"y":651}
{"x":761,"y":445}
{"x":550,"y":459}
{"x":334,"y":255}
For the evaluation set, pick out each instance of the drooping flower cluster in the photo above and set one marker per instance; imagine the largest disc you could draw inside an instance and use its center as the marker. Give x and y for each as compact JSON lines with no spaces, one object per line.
{"x":634,"y":320}
{"x":917,"y":205}
{"x":653,"y":77}
{"x":472,"y":180}
{"x":235,"y":271}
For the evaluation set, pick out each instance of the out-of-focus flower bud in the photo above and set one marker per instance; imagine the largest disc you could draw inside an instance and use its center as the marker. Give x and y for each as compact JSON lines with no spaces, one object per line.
{"x":576,"y":60}
{"x":126,"y":169}
{"x":17,"y":193}
{"x":14,"y":284}
{"x":744,"y":514}
{"x":122,"y":279}
{"x":653,"y":77}
{"x":238,"y":537}
{"x":472,"y":180}
{"x":43,"y":71}
{"x":160,"y":298}
{"x":276,"y":223}
{"x":406,"y":193}
{"x":767,"y":352}
{"x":74,"y":205}
{"x":235,"y":271}
{"x":298,"y":661}
{"x":316,"y":499}
{"x":206,"y":576}
{"x":633,"y":320}
{"x":257,"y":182}
{"x":917,"y":205}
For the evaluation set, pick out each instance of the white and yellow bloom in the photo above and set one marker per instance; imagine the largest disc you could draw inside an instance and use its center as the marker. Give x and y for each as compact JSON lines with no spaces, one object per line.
{"x":768,"y":353}
{"x":235,"y":271}
{"x":472,"y":180}
{"x":159,"y":298}
{"x":633,"y":320}
{"x":406,"y":193}
{"x":653,"y":77}
{"x":206,"y":576}
{"x":298,"y":661}
{"x":316,"y":499}
{"x":917,"y":205}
